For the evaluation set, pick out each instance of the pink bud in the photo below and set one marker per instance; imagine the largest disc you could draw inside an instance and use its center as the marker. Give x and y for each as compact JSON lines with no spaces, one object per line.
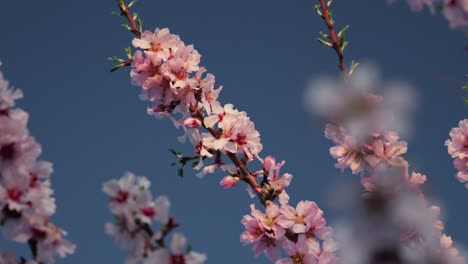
{"x":229,"y":182}
{"x":192,"y":122}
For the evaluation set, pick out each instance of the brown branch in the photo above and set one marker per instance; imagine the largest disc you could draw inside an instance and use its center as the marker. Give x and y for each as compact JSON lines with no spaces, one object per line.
{"x":334,"y":38}
{"x":125,"y":12}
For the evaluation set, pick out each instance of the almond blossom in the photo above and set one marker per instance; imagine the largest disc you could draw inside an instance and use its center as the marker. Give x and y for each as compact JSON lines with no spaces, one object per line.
{"x":298,"y":252}
{"x":293,"y":230}
{"x":238,"y":133}
{"x":457,"y":147}
{"x":135,"y":210}
{"x":455,"y":11}
{"x":26,"y":200}
{"x":462,"y":166}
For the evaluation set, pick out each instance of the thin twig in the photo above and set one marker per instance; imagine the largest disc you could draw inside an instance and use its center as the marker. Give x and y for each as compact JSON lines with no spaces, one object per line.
{"x":125,"y":12}
{"x":334,"y":38}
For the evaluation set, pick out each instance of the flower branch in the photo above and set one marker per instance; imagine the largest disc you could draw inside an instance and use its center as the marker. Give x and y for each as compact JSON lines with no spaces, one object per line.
{"x":337,"y":40}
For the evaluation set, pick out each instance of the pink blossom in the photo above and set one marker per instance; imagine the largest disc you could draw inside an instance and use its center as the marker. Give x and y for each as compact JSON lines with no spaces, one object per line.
{"x":229,"y":181}
{"x":259,"y":231}
{"x":272,"y":171}
{"x":211,"y":168}
{"x":254,"y":231}
{"x":238,"y":133}
{"x":418,"y":5}
{"x":304,"y":218}
{"x":8,"y":96}
{"x":456,"y":12}
{"x":347,"y":152}
{"x":458,"y":144}
{"x":132,"y":200}
{"x":298,"y":252}
{"x":192,"y":122}
{"x":17,"y":148}
{"x":269,"y":220}
{"x":51,"y":242}
{"x":145,"y":66}
{"x":161,"y":42}
{"x":388,"y":153}
{"x":462,"y":166}
{"x":210,"y":95}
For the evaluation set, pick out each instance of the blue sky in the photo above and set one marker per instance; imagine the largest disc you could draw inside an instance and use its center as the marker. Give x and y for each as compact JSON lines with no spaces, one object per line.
{"x":93,"y":127}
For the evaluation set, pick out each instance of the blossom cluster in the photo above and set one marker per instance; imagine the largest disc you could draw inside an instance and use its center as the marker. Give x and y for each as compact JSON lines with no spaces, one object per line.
{"x":399,"y":225}
{"x":132,"y":204}
{"x":455,"y":11}
{"x":458,"y":149}
{"x":26,"y":201}
{"x":368,"y":147}
{"x":300,"y":231}
{"x":172,"y":81}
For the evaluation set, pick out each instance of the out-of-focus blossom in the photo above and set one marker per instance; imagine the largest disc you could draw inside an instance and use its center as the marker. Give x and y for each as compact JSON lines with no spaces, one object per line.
{"x":135,"y":210}
{"x":462,"y":166}
{"x":26,"y":201}
{"x":455,"y":11}
{"x":295,"y":230}
{"x":355,"y":105}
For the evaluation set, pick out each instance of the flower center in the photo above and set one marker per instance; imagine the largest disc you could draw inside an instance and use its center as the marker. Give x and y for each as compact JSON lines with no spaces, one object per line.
{"x":121,"y":196}
{"x":297,"y":259}
{"x":299,"y":219}
{"x":240,"y":140}
{"x":155,"y":47}
{"x":148,"y":211}
{"x":227,"y":133}
{"x":269,"y":221}
{"x":181,"y":74}
{"x":14,"y":194}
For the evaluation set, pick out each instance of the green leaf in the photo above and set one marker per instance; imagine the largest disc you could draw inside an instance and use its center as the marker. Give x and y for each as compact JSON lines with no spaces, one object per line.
{"x":341,"y":42}
{"x":127,"y":26}
{"x":344,"y":46}
{"x":324,"y":42}
{"x":128,"y":51}
{"x":354,"y":65}
{"x":324,"y":35}
{"x":117,"y":67}
{"x":342,"y":31}
{"x":140,"y":24}
{"x":132,"y":3}
{"x":115,"y":59}
{"x":317,"y":9}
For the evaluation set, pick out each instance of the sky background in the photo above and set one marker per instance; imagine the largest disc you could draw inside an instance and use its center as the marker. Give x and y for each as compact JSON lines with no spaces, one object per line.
{"x":93,"y":127}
